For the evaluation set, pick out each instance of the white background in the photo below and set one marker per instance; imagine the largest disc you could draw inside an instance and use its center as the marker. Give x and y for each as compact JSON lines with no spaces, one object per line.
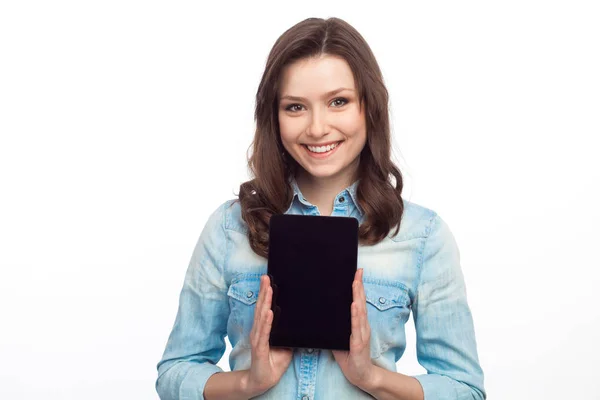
{"x":125,"y":123}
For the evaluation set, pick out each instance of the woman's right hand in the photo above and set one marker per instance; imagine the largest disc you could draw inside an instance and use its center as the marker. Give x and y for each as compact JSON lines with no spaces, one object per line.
{"x":267,"y":364}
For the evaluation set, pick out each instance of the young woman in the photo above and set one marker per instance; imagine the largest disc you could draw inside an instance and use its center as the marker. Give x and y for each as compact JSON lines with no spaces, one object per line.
{"x":322,"y":147}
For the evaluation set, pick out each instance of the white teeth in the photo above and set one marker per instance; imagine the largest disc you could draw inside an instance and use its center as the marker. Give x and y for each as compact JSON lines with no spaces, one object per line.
{"x":322,"y":149}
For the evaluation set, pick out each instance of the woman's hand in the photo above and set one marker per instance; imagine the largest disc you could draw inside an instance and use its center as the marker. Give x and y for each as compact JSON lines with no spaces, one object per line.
{"x":267,"y":364}
{"x":356,"y":364}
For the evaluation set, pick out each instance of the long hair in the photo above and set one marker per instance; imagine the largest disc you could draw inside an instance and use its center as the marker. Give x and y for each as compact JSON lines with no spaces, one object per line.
{"x":269,"y":192}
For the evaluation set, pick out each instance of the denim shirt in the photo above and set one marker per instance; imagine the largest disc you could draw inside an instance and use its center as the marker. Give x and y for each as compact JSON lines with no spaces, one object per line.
{"x":417,"y":270}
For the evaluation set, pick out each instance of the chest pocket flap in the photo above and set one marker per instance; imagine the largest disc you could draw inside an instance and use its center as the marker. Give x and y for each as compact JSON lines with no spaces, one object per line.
{"x":245,"y":290}
{"x":385,"y":295}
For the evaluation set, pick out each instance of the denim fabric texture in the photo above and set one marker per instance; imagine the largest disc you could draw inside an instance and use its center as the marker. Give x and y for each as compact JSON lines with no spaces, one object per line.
{"x":416,"y":270}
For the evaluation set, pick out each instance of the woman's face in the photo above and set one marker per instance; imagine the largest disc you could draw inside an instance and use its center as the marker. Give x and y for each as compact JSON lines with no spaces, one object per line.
{"x":322,"y":128}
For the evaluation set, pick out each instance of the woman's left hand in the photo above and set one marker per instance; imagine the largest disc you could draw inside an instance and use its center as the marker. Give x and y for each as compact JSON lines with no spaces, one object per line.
{"x":356,"y":364}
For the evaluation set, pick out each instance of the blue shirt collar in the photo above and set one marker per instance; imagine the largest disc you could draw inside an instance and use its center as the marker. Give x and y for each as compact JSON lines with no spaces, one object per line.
{"x":351,"y":190}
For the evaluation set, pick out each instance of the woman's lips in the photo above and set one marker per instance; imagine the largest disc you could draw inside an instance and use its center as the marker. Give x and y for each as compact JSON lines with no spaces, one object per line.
{"x":325,"y":154}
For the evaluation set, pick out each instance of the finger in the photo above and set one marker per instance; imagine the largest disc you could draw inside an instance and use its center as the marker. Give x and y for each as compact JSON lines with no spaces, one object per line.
{"x":268,"y":296}
{"x":364,"y":324}
{"x":265,"y":284}
{"x":267,"y":312}
{"x":257,"y":314}
{"x":262,"y":314}
{"x":259,"y":302}
{"x":256,"y":341}
{"x":263,"y":342}
{"x":340,"y":355}
{"x":366,"y":329}
{"x":356,"y":335}
{"x":355,"y":288}
{"x":361,"y":292}
{"x":362,"y":286}
{"x":266,"y":306}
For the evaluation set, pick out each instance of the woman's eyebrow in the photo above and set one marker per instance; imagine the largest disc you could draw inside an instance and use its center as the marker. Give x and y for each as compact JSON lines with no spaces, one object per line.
{"x":331,"y":93}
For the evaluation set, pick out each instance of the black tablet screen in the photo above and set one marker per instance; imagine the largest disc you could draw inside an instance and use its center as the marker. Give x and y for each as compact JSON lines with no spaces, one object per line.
{"x":312,"y":262}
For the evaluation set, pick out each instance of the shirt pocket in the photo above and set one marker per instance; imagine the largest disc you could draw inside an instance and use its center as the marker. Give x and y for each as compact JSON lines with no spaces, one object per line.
{"x":243,"y":294}
{"x":388,"y":308}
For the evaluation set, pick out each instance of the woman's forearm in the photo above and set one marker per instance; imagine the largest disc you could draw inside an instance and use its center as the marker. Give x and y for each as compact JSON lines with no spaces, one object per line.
{"x":232,"y":385}
{"x":390,"y":385}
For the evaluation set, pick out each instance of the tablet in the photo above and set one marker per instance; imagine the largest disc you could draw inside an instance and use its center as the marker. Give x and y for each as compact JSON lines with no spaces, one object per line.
{"x":312,"y":263}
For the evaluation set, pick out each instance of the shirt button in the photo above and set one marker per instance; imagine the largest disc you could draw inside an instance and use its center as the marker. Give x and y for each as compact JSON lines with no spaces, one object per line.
{"x":382,"y":300}
{"x":305,"y":398}
{"x":342,"y":199}
{"x":249,"y":294}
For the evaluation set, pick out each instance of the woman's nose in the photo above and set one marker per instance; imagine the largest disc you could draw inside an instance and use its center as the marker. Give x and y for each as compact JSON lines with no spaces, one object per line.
{"x":318,"y":125}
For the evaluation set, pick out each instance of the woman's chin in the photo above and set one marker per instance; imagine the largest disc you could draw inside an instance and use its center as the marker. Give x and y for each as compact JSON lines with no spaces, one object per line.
{"x":322,"y":172}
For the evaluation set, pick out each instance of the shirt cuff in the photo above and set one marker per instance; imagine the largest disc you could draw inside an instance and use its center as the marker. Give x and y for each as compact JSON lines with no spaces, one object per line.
{"x":437,"y":387}
{"x":192,"y":387}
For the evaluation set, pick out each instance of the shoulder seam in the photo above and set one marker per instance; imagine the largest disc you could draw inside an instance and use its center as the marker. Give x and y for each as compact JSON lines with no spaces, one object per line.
{"x":428,"y":231}
{"x":433,"y":217}
{"x":228,"y":225}
{"x":226,"y":206}
{"x":224,"y":223}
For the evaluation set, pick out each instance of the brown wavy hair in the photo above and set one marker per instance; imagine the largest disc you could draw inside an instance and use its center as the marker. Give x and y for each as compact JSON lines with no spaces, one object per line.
{"x":269,"y":192}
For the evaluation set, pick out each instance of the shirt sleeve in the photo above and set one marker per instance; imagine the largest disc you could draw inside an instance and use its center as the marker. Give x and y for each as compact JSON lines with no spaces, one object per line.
{"x":197,"y":340}
{"x":446,"y":345}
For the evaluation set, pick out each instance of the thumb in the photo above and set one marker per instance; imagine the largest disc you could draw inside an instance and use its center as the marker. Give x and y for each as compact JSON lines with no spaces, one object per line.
{"x":339,"y":355}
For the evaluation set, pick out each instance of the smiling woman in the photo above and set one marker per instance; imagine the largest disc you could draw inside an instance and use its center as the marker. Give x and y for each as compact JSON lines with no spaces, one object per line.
{"x":326,"y":136}
{"x":327,"y":89}
{"x":322,"y":147}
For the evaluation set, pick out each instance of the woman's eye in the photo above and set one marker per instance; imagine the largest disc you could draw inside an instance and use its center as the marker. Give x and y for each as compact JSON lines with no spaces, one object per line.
{"x":292,"y":108}
{"x":340,"y":99}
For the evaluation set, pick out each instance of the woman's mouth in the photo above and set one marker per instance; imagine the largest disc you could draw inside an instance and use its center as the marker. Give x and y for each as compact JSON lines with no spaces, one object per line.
{"x":322,"y":151}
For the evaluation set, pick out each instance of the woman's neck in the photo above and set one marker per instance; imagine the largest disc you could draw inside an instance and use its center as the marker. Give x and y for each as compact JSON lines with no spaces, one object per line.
{"x":322,"y":191}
